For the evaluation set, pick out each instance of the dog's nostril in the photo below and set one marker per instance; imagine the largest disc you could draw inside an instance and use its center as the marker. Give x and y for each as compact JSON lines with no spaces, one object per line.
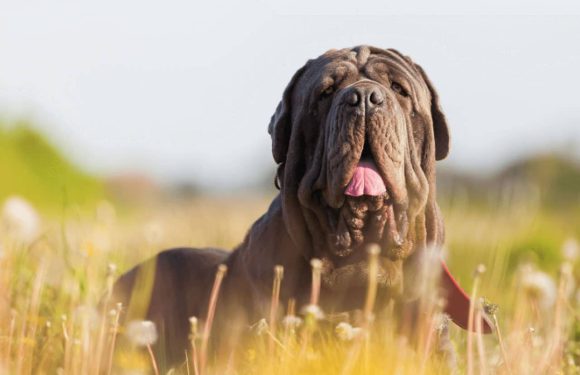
{"x":353,"y":98}
{"x":376,"y":98}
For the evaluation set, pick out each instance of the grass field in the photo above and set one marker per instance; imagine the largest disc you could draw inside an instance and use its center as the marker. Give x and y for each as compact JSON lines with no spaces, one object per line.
{"x":50,"y":284}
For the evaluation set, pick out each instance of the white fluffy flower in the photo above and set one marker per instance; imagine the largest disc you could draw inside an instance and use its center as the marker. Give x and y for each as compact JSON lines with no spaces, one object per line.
{"x":539,"y":286}
{"x":312,"y":311}
{"x":111,"y":269}
{"x":570,"y":249}
{"x":316,"y":264}
{"x":346,"y":332}
{"x":441,"y":322}
{"x":193,"y":327}
{"x":21,"y":219}
{"x":261,"y":327}
{"x":291,"y":322}
{"x":142,"y":332}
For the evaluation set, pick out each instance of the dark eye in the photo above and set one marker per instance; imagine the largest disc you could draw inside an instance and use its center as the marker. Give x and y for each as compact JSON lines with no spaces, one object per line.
{"x":327,"y":92}
{"x":399,"y":89}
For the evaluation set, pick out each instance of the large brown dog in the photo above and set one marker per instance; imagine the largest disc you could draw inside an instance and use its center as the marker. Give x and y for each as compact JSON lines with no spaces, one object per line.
{"x":355,"y":137}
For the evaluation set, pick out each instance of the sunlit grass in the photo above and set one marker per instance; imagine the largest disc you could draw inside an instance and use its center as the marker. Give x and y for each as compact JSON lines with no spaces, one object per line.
{"x":50,"y":286}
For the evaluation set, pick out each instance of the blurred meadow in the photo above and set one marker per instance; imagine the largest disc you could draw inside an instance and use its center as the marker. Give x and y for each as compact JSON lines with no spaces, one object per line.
{"x":131,"y":127}
{"x":65,"y":234}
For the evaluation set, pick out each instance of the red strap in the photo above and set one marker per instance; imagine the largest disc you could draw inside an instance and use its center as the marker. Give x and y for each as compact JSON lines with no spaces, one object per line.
{"x":458,"y":302}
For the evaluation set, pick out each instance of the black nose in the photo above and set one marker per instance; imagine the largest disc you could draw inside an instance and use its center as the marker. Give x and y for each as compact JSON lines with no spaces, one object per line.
{"x":368,"y":95}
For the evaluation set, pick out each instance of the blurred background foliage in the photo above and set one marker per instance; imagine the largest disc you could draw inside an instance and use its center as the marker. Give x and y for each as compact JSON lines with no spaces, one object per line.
{"x":34,"y":168}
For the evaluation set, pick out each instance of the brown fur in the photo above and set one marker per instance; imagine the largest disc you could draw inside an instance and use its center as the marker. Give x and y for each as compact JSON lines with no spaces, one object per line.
{"x":317,"y":139}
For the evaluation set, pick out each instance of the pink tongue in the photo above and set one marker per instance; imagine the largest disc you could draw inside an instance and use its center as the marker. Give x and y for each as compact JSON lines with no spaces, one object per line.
{"x":365,"y":181}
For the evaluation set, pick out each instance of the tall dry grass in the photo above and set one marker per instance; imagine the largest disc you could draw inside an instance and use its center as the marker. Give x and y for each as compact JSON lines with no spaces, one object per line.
{"x":50,"y":286}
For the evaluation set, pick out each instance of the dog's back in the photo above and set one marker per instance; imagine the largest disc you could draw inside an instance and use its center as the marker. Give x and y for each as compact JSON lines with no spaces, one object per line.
{"x":168,"y":289}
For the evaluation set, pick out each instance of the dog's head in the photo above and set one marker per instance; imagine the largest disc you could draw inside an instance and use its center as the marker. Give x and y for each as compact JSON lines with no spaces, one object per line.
{"x":356,"y":137}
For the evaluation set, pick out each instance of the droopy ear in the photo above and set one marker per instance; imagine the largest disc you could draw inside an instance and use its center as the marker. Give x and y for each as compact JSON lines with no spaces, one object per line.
{"x":440,"y":129}
{"x":280,"y":126}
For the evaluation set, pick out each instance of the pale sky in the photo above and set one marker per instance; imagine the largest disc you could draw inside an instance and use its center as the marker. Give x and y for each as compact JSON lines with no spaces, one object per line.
{"x":184,"y":90}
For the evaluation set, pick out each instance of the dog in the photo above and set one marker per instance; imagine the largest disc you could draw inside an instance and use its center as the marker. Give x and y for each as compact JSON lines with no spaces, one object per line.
{"x":355,"y":137}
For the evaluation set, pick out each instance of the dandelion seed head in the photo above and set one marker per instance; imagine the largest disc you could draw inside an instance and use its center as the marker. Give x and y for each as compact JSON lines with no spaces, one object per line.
{"x":261,"y":327}
{"x":571,"y":249}
{"x":489,"y":308}
{"x":373,"y":250}
{"x":540,"y":287}
{"x":111,"y":269}
{"x":441,"y":321}
{"x":222,"y":269}
{"x":291,"y":322}
{"x":316,"y":264}
{"x":480,"y":270}
{"x":21,"y":219}
{"x":142,"y":332}
{"x":193,"y":326}
{"x":312,"y":311}
{"x":279,"y":271}
{"x":346,"y":332}
{"x":193,"y":321}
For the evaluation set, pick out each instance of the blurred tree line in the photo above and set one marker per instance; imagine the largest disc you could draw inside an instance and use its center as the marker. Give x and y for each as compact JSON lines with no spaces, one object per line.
{"x":34,"y":168}
{"x":549,"y":181}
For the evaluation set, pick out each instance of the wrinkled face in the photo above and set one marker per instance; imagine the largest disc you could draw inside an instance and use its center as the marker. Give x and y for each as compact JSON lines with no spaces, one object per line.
{"x":358,"y":159}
